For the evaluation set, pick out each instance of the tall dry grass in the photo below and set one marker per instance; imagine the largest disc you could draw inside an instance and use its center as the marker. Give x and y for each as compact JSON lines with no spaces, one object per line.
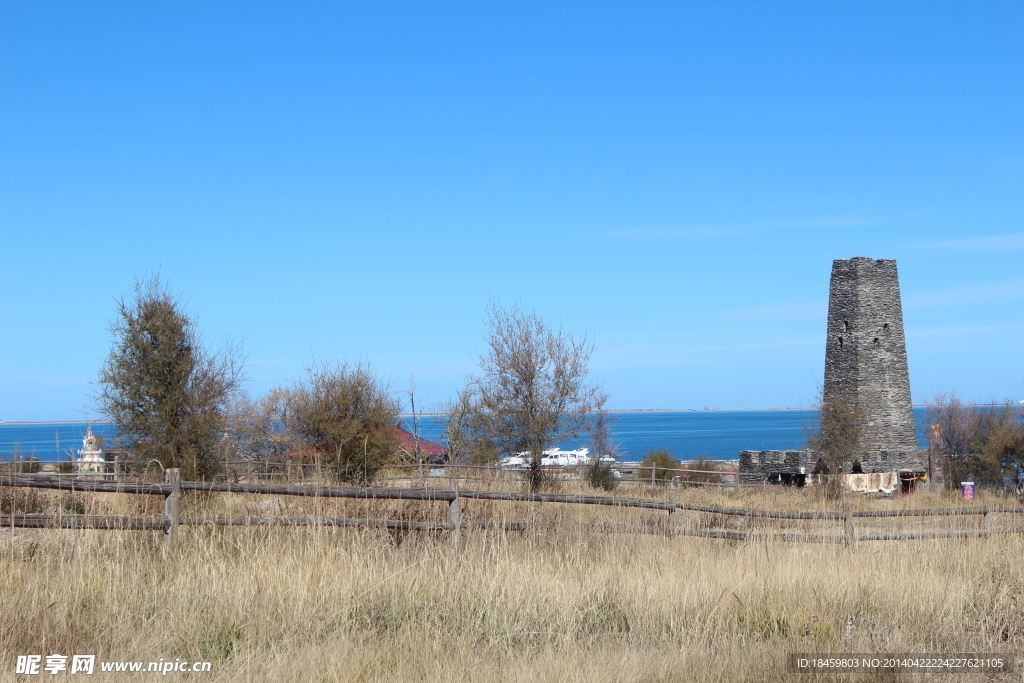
{"x":559,"y":602}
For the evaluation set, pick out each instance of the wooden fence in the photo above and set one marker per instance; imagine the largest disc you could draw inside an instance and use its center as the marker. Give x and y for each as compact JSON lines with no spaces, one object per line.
{"x":172,"y":488}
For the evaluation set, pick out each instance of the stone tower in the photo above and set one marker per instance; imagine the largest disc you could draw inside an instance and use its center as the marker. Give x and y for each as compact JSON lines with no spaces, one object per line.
{"x":866,"y":358}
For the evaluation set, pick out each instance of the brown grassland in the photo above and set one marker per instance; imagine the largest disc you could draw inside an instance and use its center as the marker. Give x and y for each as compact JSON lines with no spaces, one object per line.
{"x":572,"y":598}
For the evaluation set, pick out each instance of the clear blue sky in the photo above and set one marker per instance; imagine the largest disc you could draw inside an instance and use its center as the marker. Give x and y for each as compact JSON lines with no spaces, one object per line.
{"x":356,"y":180}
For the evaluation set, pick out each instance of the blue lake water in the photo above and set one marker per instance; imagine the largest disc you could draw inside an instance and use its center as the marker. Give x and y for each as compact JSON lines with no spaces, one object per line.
{"x":719,"y":435}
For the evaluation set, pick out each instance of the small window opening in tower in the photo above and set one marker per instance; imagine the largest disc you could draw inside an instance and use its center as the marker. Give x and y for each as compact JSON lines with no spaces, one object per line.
{"x":840,"y":342}
{"x":875,"y":340}
{"x":885,"y":326}
{"x":846,"y":325}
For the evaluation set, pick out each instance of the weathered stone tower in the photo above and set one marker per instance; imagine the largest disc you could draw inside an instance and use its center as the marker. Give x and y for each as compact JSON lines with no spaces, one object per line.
{"x":866,"y":359}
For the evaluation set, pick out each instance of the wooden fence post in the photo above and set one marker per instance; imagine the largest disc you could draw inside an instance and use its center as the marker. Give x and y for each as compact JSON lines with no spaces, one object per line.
{"x":455,"y":513}
{"x":985,"y":518}
{"x":851,"y":536}
{"x":671,"y":528}
{"x":172,"y":504}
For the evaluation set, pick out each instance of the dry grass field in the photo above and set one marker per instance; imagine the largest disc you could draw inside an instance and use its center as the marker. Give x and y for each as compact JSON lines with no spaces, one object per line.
{"x":565,"y":600}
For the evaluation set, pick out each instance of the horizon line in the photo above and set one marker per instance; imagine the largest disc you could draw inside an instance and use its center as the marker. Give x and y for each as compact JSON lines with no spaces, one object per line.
{"x":617,"y":410}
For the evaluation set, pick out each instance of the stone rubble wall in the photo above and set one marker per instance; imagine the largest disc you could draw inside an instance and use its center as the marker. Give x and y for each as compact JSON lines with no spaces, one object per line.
{"x":755,"y":466}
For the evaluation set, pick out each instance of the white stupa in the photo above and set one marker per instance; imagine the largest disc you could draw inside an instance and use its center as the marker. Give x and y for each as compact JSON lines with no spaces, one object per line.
{"x":90,"y":456}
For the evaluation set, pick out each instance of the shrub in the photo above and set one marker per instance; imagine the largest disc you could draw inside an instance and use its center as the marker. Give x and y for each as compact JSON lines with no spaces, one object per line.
{"x":662,"y":462}
{"x":342,"y":414}
{"x":20,"y":466}
{"x":71,"y":504}
{"x":16,"y":500}
{"x":600,"y":475}
{"x":702,"y":465}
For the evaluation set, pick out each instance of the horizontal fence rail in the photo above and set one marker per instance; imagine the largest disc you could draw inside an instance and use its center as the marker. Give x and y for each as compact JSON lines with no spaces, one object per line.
{"x":833,"y":514}
{"x":113,"y":522}
{"x":815,"y":538}
{"x":424,"y":470}
{"x":352,"y":521}
{"x":69,"y":484}
{"x":939,"y":534}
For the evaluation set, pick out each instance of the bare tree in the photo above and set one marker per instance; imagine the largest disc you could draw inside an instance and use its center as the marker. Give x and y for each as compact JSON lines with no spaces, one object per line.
{"x":981,"y":444}
{"x":534,"y":388}
{"x":599,"y":472}
{"x":253,"y":428}
{"x":956,"y":424}
{"x":343,"y":415}
{"x":467,"y":428}
{"x":999,"y":444}
{"x":167,"y":395}
{"x":417,"y":454}
{"x":951,"y":428}
{"x":835,"y":440}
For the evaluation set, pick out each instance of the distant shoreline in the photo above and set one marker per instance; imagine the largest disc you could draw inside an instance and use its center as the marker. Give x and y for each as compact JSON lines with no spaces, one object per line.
{"x":56,"y":422}
{"x":621,"y":410}
{"x":708,"y":410}
{"x":718,"y":410}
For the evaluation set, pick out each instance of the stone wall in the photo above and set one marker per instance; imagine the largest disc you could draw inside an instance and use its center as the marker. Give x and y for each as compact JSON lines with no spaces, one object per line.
{"x":755,"y":466}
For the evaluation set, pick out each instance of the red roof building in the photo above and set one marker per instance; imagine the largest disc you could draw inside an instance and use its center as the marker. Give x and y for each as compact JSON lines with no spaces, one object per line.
{"x":407,"y":445}
{"x":428,"y":450}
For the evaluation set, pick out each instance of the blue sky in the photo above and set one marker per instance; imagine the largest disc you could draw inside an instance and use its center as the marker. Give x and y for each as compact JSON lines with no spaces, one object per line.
{"x":356,"y":180}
